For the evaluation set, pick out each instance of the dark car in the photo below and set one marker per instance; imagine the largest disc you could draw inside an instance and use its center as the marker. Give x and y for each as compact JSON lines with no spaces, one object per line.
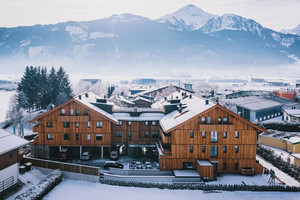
{"x":113,"y":164}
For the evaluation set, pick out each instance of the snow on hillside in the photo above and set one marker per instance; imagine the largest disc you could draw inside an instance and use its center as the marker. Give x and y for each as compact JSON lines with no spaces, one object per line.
{"x":4,"y":103}
{"x":79,"y":190}
{"x":294,"y":31}
{"x":232,"y":22}
{"x":192,"y":16}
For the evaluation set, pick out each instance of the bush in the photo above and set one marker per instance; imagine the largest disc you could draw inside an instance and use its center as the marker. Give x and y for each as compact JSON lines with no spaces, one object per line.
{"x":43,"y":187}
{"x":205,"y":187}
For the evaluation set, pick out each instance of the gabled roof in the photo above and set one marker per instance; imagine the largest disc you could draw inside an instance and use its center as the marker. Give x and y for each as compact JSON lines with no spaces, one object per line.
{"x":9,"y":142}
{"x":195,"y":106}
{"x":292,"y":112}
{"x":85,"y":102}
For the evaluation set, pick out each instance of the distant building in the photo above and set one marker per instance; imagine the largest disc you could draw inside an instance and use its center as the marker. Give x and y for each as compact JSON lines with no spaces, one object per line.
{"x":256,"y":109}
{"x":246,"y":93}
{"x":286,"y":103}
{"x":9,"y":157}
{"x":288,"y":94}
{"x":291,"y":115}
{"x":136,"y":90}
{"x":141,"y":102}
{"x":258,"y":80}
{"x":188,"y":86}
{"x":92,"y":81}
{"x":144,"y":81}
{"x":287,"y":141}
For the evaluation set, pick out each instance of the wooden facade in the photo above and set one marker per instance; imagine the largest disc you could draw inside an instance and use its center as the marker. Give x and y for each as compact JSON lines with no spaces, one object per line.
{"x":229,"y":146}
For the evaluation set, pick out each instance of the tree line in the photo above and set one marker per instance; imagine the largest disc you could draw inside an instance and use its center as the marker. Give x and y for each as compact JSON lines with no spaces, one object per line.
{"x":38,"y":88}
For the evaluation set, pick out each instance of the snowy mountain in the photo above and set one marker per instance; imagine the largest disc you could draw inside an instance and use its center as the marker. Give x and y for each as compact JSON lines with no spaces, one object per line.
{"x":190,"y":17}
{"x":294,"y":31}
{"x":188,"y":37}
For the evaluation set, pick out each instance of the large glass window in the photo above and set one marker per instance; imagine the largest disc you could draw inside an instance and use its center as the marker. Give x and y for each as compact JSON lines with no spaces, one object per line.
{"x":203,"y":134}
{"x":98,"y":124}
{"x":49,"y":136}
{"x":66,"y":124}
{"x":191,"y":134}
{"x":66,"y":136}
{"x":214,"y":151}
{"x":213,"y":136}
{"x":99,"y":136}
{"x":119,"y":134}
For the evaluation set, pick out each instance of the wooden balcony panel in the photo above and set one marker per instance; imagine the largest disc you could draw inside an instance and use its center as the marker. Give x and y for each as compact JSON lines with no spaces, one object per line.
{"x":73,"y":118}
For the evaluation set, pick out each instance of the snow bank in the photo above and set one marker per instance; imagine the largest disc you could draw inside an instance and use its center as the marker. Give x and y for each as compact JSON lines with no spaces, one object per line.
{"x":43,"y":187}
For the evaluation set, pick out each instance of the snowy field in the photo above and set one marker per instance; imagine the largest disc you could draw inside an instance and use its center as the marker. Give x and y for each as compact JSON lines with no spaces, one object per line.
{"x":282,"y":153}
{"x":4,"y":103}
{"x":79,"y":190}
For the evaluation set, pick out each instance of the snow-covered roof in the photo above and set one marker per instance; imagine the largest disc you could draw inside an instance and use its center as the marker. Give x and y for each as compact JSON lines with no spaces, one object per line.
{"x":88,"y":98}
{"x":141,"y":98}
{"x":9,"y":142}
{"x":141,"y":117}
{"x":293,"y":140}
{"x":254,"y":103}
{"x":296,"y":155}
{"x":293,"y":112}
{"x":121,"y":98}
{"x":204,"y":163}
{"x":193,"y":104}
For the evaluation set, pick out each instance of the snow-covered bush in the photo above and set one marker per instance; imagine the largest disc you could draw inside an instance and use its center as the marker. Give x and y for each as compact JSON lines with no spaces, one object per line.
{"x":43,"y":187}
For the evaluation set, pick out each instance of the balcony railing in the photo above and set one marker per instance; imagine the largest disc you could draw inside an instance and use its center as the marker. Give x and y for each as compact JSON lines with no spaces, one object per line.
{"x":73,"y":118}
{"x":162,"y":150}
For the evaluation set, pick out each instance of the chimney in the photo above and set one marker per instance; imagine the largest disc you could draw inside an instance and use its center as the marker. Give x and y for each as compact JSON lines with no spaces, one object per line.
{"x":206,"y":101}
{"x":190,"y":96}
{"x":166,"y":98}
{"x":86,"y":95}
{"x":79,"y":97}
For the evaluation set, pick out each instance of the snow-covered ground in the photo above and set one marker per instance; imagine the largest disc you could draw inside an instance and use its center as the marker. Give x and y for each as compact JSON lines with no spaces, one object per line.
{"x":282,"y":153}
{"x":79,"y":190}
{"x":281,"y":175}
{"x":231,"y":179}
{"x":29,"y":179}
{"x":4,"y":103}
{"x":27,"y":131}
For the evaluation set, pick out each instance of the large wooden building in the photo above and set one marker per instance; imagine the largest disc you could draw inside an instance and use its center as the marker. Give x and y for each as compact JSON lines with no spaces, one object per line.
{"x":187,"y":132}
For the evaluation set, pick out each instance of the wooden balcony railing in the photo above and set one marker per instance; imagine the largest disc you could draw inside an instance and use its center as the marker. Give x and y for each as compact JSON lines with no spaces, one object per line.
{"x":73,"y":118}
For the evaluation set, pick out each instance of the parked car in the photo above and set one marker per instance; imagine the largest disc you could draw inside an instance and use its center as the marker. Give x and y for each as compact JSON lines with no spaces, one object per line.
{"x":64,"y":154}
{"x":114,"y":155}
{"x":148,"y":166}
{"x":113,"y":164}
{"x":138,"y":165}
{"x":86,"y":155}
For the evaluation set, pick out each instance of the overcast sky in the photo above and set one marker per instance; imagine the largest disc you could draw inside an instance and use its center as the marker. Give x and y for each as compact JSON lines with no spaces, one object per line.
{"x":275,"y":14}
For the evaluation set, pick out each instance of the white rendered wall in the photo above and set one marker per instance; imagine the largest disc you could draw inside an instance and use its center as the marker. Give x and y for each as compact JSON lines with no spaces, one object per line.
{"x":12,"y":170}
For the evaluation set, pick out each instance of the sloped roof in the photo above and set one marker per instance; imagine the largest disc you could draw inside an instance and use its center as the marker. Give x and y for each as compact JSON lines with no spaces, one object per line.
{"x":9,"y":142}
{"x":293,"y":112}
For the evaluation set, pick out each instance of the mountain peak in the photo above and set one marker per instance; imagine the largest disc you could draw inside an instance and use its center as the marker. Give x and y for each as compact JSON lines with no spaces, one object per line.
{"x":294,"y":31}
{"x":190,"y":16}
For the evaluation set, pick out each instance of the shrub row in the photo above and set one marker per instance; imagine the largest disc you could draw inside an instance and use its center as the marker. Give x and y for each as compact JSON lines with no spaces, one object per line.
{"x":205,"y":187}
{"x":281,"y":126}
{"x":43,"y":187}
{"x":277,"y":161}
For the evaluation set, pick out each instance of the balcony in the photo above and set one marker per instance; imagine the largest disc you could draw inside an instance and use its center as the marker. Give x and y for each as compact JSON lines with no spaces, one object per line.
{"x":73,"y":118}
{"x":149,"y":141}
{"x":162,"y":151}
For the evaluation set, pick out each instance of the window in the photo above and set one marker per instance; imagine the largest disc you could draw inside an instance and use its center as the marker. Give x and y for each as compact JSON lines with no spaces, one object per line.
{"x":224,"y":166}
{"x":63,"y":111}
{"x":11,"y":154}
{"x":202,"y":120}
{"x":86,"y":112}
{"x":203,"y":134}
{"x":214,"y":151}
{"x":67,"y":136}
{"x":129,"y":134}
{"x":155,"y":134}
{"x":224,"y":134}
{"x":219,"y":120}
{"x":203,"y":149}
{"x":76,"y":124}
{"x":119,"y":134}
{"x":98,"y":124}
{"x":99,"y":137}
{"x":208,"y":120}
{"x":236,"y":134}
{"x":214,"y":136}
{"x":76,"y":112}
{"x":71,"y":112}
{"x":236,"y":149}
{"x":129,"y":123}
{"x":89,"y":124}
{"x":224,"y":149}
{"x":88,"y":137}
{"x":187,"y":165}
{"x":154,"y":123}
{"x":49,"y":124}
{"x":146,"y":123}
{"x":66,"y":124}
{"x":146,"y":134}
{"x":236,"y":166}
{"x":77,"y":136}
{"x":49,"y":136}
{"x":191,"y":149}
{"x":119,"y":123}
{"x":225,"y":120}
{"x":191,"y":134}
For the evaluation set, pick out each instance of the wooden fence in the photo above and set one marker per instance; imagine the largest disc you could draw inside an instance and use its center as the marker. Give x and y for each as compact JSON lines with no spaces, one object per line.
{"x":75,"y":168}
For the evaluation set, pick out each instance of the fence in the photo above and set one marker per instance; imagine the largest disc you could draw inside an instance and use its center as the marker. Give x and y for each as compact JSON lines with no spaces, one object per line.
{"x":75,"y":168}
{"x":7,"y":183}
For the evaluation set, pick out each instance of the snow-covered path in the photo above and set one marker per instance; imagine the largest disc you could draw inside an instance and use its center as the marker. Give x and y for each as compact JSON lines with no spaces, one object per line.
{"x":281,"y":175}
{"x":79,"y":190}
